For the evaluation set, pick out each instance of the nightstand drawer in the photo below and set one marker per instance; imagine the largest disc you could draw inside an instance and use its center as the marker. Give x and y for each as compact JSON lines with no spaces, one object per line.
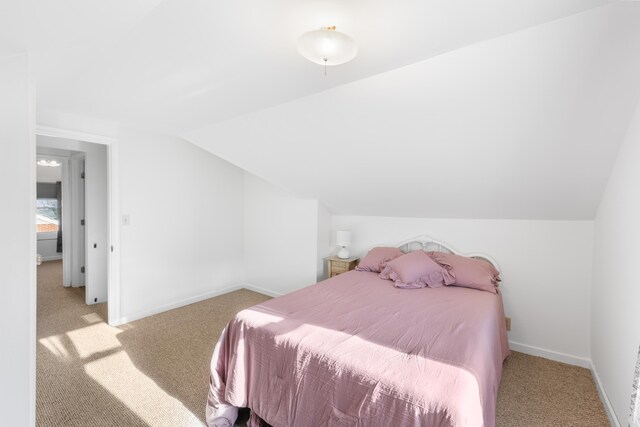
{"x":339,"y":264}
{"x":337,"y":270}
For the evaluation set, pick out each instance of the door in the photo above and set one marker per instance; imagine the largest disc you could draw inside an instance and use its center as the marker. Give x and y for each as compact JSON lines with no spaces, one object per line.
{"x":75,"y":233}
{"x":96,"y":225}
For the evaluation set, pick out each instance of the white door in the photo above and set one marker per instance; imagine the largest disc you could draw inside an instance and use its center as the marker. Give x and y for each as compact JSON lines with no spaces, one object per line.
{"x":74,"y":235}
{"x":96,"y":224}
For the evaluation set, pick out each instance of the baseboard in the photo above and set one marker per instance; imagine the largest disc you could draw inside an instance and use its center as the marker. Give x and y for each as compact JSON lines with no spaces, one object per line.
{"x":550,"y":354}
{"x":157,"y":310}
{"x":605,"y":399}
{"x":51,"y":258}
{"x":262,"y":291}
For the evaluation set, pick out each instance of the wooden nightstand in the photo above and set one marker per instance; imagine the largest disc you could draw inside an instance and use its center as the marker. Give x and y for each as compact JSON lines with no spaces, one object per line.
{"x":338,"y":265}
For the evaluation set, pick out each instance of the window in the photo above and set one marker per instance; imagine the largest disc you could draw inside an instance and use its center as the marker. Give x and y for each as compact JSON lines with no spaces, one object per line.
{"x":47,"y":220}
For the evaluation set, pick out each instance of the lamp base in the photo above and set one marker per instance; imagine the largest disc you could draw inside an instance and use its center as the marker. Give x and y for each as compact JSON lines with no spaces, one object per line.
{"x":343,"y":253}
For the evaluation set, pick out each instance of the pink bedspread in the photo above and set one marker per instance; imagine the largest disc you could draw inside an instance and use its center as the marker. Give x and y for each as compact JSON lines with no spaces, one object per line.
{"x":356,"y":351}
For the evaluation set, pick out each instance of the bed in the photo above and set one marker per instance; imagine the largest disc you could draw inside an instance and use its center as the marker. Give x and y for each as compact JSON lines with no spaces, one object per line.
{"x":354,"y":350}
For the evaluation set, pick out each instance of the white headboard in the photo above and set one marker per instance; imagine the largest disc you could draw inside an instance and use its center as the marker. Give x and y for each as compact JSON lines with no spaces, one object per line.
{"x":426,"y":243}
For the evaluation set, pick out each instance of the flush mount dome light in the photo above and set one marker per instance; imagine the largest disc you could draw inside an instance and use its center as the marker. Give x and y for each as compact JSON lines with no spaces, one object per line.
{"x":51,"y":163}
{"x":327,"y":46}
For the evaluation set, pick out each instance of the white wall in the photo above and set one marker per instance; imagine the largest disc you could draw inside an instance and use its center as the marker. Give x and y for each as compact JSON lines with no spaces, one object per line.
{"x":48,"y":246}
{"x":616,"y":288}
{"x":185,"y":237}
{"x":281,"y":238}
{"x":17,"y":251}
{"x":546,"y":270}
{"x":324,"y":240}
{"x":48,"y":173}
{"x":77,"y":123}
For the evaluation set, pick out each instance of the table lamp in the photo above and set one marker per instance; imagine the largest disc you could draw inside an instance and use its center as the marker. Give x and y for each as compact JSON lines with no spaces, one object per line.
{"x":343,"y":239}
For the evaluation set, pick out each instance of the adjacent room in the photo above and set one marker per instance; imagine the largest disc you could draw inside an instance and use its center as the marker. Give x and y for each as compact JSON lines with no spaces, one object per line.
{"x":320,"y":213}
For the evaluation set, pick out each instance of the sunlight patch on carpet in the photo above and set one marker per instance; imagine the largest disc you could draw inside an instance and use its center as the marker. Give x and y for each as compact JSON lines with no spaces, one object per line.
{"x":92,"y":318}
{"x":94,"y":339}
{"x":120,"y":377}
{"x":55,"y":345}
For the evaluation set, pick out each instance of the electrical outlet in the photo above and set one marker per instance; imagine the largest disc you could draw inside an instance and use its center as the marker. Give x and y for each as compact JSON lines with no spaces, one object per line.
{"x":507,"y":321}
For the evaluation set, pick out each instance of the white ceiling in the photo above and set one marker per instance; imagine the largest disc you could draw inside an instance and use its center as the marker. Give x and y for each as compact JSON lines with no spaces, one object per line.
{"x":180,"y":65}
{"x":453,"y":108}
{"x":48,"y":174}
{"x":522,"y":126}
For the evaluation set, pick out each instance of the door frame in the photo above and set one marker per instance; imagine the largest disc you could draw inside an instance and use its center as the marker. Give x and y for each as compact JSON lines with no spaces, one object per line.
{"x":113,"y":203}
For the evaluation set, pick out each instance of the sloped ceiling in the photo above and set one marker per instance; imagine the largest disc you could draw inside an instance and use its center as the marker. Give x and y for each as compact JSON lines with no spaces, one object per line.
{"x":179,"y":65}
{"x":526,"y":125}
{"x":453,"y":108}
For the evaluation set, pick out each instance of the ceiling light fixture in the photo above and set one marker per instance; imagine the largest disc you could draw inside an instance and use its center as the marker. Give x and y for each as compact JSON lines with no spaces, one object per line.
{"x":51,"y":163}
{"x":327,"y":46}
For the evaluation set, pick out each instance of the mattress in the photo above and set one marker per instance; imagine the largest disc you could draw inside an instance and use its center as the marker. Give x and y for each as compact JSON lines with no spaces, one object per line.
{"x":356,"y":351}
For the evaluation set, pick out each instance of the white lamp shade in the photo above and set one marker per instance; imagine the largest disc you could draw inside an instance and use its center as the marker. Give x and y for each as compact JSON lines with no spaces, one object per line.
{"x":327,"y":46}
{"x":343,"y":238}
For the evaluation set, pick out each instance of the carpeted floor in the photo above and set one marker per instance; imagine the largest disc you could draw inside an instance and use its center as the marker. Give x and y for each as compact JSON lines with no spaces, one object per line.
{"x":154,"y":372}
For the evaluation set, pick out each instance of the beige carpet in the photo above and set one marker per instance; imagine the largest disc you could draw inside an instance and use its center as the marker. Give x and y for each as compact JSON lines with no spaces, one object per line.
{"x":154,"y":372}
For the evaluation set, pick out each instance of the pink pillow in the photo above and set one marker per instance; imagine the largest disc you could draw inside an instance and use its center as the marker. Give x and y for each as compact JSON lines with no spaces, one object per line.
{"x":416,"y":270}
{"x":377,"y":258}
{"x":469,"y":272}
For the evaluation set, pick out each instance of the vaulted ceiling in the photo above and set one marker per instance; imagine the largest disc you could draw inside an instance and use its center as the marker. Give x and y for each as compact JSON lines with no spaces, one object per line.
{"x":526,"y":125}
{"x":455,"y":108}
{"x":180,"y":65}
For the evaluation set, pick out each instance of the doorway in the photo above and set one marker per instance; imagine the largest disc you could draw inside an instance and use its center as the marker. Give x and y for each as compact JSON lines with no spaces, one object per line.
{"x":63,"y":320}
{"x":73,"y":213}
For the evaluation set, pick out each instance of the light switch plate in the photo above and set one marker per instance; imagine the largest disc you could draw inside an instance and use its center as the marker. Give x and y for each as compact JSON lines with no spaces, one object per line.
{"x":125,"y":220}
